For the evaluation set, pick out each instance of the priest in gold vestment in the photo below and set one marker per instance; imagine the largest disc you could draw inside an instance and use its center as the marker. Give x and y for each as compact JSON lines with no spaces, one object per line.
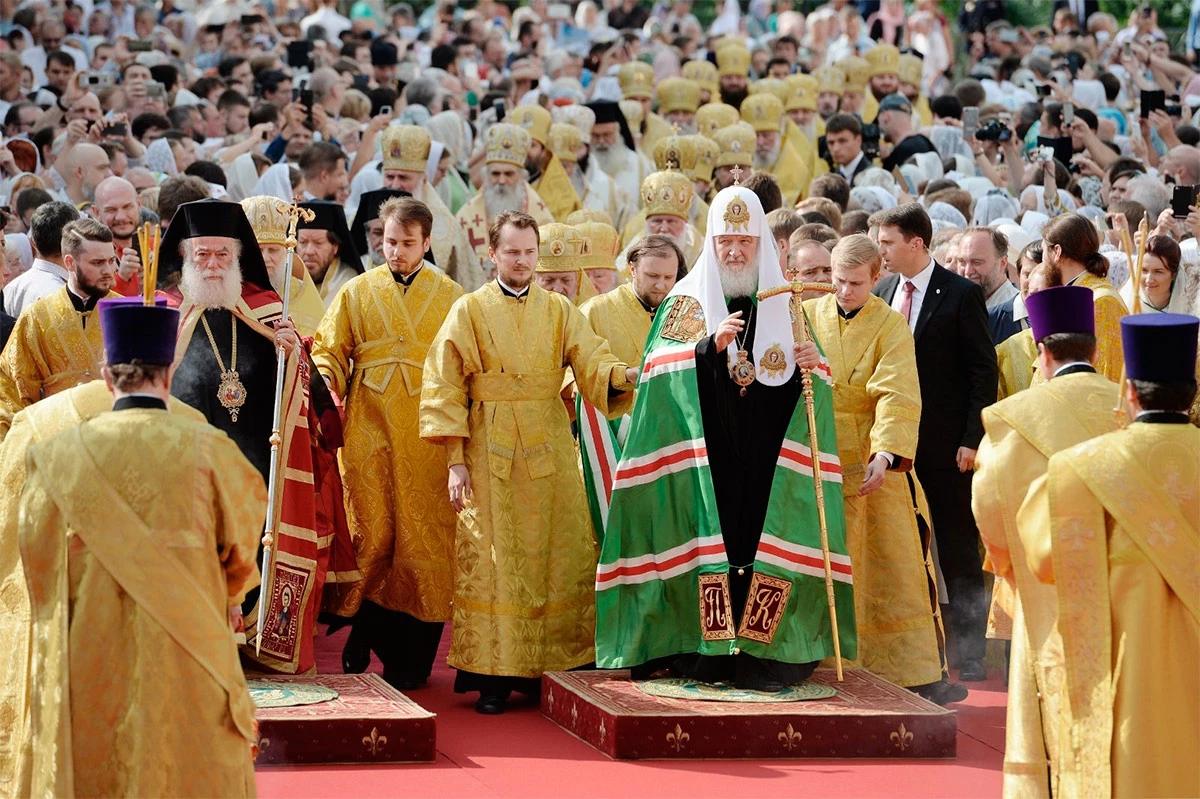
{"x":56,"y":342}
{"x":1113,"y":529}
{"x":36,"y":423}
{"x":371,"y":349}
{"x":1020,"y":434}
{"x":877,"y":403}
{"x":139,"y":691}
{"x":268,"y":217}
{"x":526,"y":557}
{"x":551,"y":183}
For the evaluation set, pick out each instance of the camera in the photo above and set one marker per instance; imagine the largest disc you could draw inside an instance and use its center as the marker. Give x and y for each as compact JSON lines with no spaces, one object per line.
{"x":1043,"y":155}
{"x":993,"y":130}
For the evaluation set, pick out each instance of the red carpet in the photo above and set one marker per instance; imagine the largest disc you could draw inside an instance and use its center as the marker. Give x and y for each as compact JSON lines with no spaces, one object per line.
{"x":523,"y":754}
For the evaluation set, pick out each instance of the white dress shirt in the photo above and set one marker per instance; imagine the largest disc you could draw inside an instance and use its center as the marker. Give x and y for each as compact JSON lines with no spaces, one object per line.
{"x":847,"y":171}
{"x":1003,"y":293}
{"x":920,"y":283}
{"x":43,"y":279}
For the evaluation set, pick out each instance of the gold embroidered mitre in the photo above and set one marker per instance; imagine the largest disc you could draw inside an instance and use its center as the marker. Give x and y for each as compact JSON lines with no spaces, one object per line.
{"x":667,"y":192}
{"x":635,"y":83}
{"x":580,"y":116}
{"x":560,"y":248}
{"x":577,"y":218}
{"x":733,"y":58}
{"x":405,"y":147}
{"x":736,"y":218}
{"x":507,"y":144}
{"x":737,"y":143}
{"x":763,"y":112}
{"x":884,"y":60}
{"x":707,"y":153}
{"x":803,"y":95}
{"x":830,"y":80}
{"x":704,"y":73}
{"x":857,"y":72}
{"x":712,"y":117}
{"x":910,"y":69}
{"x":604,"y":244}
{"x":535,"y":119}
{"x":565,"y":141}
{"x":774,"y":86}
{"x":675,"y":152}
{"x":678,"y":94}
{"x":268,"y":217}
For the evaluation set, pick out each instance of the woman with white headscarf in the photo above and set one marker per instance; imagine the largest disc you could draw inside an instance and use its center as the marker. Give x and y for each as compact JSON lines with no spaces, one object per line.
{"x":446,"y":128}
{"x":19,"y":253}
{"x":874,"y":176}
{"x":160,"y":158}
{"x":872,"y":199}
{"x":947,"y":213}
{"x":241,"y":175}
{"x":275,"y":182}
{"x":996,"y":204}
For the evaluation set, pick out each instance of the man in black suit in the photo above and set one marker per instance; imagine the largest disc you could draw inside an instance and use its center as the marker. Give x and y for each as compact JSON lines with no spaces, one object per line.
{"x":844,"y":145}
{"x":956,"y":365}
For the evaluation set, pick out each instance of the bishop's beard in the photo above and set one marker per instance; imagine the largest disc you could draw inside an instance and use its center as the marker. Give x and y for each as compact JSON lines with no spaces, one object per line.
{"x":738,"y":282}
{"x":765,"y":160}
{"x":611,"y":157}
{"x":734,"y":98}
{"x":211,"y":293}
{"x":497,"y":199}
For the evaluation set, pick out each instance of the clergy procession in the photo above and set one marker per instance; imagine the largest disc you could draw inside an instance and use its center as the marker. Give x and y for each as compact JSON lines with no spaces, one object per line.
{"x":806,"y":363}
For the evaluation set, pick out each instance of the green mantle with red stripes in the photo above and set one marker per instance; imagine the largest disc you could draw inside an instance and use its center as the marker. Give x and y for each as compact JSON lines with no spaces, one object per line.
{"x":661,"y":585}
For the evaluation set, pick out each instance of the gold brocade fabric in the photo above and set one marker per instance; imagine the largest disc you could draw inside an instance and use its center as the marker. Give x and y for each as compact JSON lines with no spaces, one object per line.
{"x":1110,"y":359}
{"x":554,"y":187}
{"x":371,"y":347}
{"x":339,"y":274}
{"x":36,"y":423}
{"x":1114,"y":526}
{"x":52,"y":347}
{"x":526,"y":557}
{"x":1017,"y":358}
{"x":792,"y":174}
{"x":473,"y":222}
{"x":452,"y":252}
{"x":1021,"y":433}
{"x":619,"y":318}
{"x":306,"y":307}
{"x":139,"y":689}
{"x":877,"y":405}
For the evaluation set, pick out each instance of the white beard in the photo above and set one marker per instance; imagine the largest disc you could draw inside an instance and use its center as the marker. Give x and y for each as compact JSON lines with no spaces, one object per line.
{"x":211,"y":294}
{"x":741,"y":283}
{"x":376,"y":258}
{"x":611,"y":159}
{"x":498,"y":199}
{"x":687,"y":128}
{"x":766,"y":162}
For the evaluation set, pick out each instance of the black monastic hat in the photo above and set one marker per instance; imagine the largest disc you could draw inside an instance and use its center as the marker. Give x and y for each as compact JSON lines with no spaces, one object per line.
{"x":211,"y":218}
{"x":332,"y":217}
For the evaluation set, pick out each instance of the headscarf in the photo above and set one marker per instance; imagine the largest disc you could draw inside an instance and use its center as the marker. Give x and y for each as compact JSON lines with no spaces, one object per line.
{"x":435,"y":157}
{"x":413,"y":115}
{"x":1018,"y":238}
{"x":275,"y":182}
{"x":20,"y":243}
{"x":736,"y":209}
{"x":369,"y":178}
{"x":447,"y":128}
{"x":159,"y":158}
{"x":948,"y":214}
{"x":1033,"y":222}
{"x":241,"y":175}
{"x":976,"y":187}
{"x":996,"y":204}
{"x":872,"y":199}
{"x":874,"y":176}
{"x":930,"y":165}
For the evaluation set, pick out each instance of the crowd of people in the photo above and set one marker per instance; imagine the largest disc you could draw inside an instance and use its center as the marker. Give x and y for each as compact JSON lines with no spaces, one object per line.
{"x":595,"y":316}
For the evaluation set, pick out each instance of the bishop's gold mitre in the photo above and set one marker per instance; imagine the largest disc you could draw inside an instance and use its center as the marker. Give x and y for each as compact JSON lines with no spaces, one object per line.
{"x":884,"y":60}
{"x":560,"y":248}
{"x":910,"y":69}
{"x":775,"y":86}
{"x":636,"y":80}
{"x":707,"y":153}
{"x":857,"y":72}
{"x":577,"y":218}
{"x":535,"y":119}
{"x":405,"y":147}
{"x":678,"y":94}
{"x":667,"y":192}
{"x":763,"y":112}
{"x":737,"y":143}
{"x":712,"y":117}
{"x":675,"y":152}
{"x":506,"y":144}
{"x":733,"y":58}
{"x":268,"y":217}
{"x":565,"y":141}
{"x":704,"y":73}
{"x":830,"y":80}
{"x":803,"y":96}
{"x":604,"y":244}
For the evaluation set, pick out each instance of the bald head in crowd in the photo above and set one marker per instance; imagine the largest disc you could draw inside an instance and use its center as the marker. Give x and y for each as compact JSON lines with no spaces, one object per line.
{"x":83,"y":167}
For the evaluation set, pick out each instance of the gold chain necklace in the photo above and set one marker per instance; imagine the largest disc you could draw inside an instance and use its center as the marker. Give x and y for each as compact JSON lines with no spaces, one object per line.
{"x":742,"y":372}
{"x":230,"y":393}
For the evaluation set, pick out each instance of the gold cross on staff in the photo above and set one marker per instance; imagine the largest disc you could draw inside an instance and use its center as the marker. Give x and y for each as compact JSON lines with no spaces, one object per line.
{"x":737,"y":174}
{"x":797,"y":288}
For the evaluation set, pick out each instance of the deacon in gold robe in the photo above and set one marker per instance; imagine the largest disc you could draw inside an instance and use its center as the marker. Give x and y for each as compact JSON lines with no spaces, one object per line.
{"x":36,"y":423}
{"x":371,"y":349}
{"x":764,"y":112}
{"x":666,"y":199}
{"x":526,"y":557}
{"x":1071,"y":246}
{"x":268,"y":217}
{"x":505,"y":188}
{"x":547,"y":175}
{"x":139,"y":691}
{"x":1113,"y":527}
{"x":877,"y":402}
{"x":55,"y":343}
{"x":1020,"y":434}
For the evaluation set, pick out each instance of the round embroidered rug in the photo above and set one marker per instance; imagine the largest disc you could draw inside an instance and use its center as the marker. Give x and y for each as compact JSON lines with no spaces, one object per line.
{"x":682,"y":688}
{"x":267,"y":693}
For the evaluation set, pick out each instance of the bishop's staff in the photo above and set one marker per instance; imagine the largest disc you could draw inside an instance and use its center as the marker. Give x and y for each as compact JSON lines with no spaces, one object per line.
{"x":274,"y":482}
{"x":1135,"y":306}
{"x":800,"y":334}
{"x":149,"y":241}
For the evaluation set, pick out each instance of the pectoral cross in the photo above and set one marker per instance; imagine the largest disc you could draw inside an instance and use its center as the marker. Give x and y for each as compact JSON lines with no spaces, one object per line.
{"x":737,"y":174}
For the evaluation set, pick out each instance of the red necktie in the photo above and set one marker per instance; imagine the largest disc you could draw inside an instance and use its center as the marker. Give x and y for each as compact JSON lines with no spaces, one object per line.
{"x":906,"y":303}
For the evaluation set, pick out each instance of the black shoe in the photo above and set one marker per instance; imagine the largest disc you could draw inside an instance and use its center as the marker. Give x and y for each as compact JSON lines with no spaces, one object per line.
{"x":491,"y":705}
{"x":402,"y":682}
{"x":356,"y":654}
{"x":941,"y":692}
{"x":972,"y":671}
